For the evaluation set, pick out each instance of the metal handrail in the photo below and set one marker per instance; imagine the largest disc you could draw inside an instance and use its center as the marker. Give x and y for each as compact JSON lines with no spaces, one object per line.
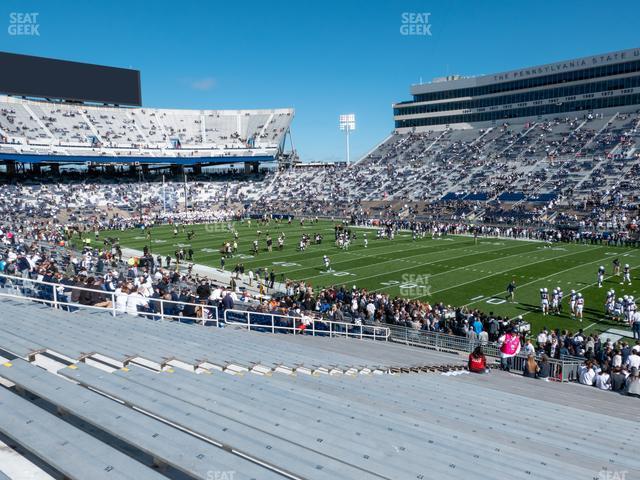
{"x":564,"y":369}
{"x":281,"y":323}
{"x":25,"y":288}
{"x":440,"y":341}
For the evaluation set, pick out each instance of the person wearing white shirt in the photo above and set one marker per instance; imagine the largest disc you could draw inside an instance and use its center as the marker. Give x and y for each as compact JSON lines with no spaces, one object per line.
{"x":135,"y":300}
{"x":542,"y":338}
{"x":616,"y":361}
{"x":603,"y":380}
{"x":587,"y":374}
{"x":633,"y":361}
{"x":216,"y":294}
{"x":121,"y":293}
{"x":529,"y":349}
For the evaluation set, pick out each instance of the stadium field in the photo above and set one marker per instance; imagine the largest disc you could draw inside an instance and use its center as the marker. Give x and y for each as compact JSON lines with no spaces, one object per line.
{"x":456,"y":270}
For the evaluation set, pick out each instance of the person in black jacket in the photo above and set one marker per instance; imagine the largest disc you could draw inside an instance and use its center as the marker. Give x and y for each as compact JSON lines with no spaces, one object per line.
{"x":204,"y":290}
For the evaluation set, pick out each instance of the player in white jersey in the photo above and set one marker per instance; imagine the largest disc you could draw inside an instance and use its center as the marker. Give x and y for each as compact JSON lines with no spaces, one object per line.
{"x":618,"y":309}
{"x":326,"y":263}
{"x":632,"y":311}
{"x":572,"y":302}
{"x":366,"y":241}
{"x":600,"y":276}
{"x":560,"y":297}
{"x":544,"y":301}
{"x":610,"y":303}
{"x":626,"y":275}
{"x":579,"y":306}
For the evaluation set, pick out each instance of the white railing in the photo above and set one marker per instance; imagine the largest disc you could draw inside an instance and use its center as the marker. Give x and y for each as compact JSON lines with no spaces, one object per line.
{"x":280,"y":323}
{"x":58,"y":296}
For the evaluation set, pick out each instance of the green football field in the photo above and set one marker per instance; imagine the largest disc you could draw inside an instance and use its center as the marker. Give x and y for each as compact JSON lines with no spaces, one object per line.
{"x":455,"y":270}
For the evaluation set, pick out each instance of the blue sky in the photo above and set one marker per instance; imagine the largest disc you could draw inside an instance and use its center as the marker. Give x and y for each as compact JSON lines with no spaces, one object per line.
{"x":321,"y":58}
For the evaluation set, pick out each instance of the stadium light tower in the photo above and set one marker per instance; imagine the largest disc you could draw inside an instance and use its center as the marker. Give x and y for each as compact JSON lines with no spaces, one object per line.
{"x":347,"y":124}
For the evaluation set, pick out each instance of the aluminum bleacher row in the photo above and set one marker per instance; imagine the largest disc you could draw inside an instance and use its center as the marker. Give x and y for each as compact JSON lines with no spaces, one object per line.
{"x":27,"y":329}
{"x":321,"y":426}
{"x":157,"y":399}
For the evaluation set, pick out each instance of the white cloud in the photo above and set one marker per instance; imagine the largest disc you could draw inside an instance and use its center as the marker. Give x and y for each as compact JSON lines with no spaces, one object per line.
{"x":203,"y":84}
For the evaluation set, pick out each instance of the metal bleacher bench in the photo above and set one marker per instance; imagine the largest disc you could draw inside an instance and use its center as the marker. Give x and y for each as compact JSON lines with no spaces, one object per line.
{"x":157,"y":439}
{"x":69,"y":450}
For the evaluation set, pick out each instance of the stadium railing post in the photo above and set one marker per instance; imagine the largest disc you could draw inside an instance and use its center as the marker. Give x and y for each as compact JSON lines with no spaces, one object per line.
{"x":161,"y":309}
{"x":273,"y":324}
{"x":114,"y":310}
{"x":55,"y":298}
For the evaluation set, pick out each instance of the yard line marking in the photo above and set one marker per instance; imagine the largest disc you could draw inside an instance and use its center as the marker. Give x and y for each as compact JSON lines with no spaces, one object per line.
{"x":422,"y":251}
{"x":553,"y":274}
{"x":505,"y":271}
{"x":445,"y":272}
{"x":557,"y":273}
{"x":579,"y":290}
{"x":418,"y":265}
{"x":477,"y":298}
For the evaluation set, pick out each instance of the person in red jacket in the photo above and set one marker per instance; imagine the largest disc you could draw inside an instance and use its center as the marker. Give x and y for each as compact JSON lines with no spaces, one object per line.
{"x":477,"y":361}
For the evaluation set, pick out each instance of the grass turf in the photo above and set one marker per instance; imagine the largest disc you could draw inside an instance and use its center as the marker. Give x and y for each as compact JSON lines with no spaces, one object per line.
{"x":454,"y":269}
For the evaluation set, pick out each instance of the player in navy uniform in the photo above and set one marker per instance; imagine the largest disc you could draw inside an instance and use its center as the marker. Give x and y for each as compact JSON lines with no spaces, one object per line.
{"x":544,"y":301}
{"x":572,"y":302}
